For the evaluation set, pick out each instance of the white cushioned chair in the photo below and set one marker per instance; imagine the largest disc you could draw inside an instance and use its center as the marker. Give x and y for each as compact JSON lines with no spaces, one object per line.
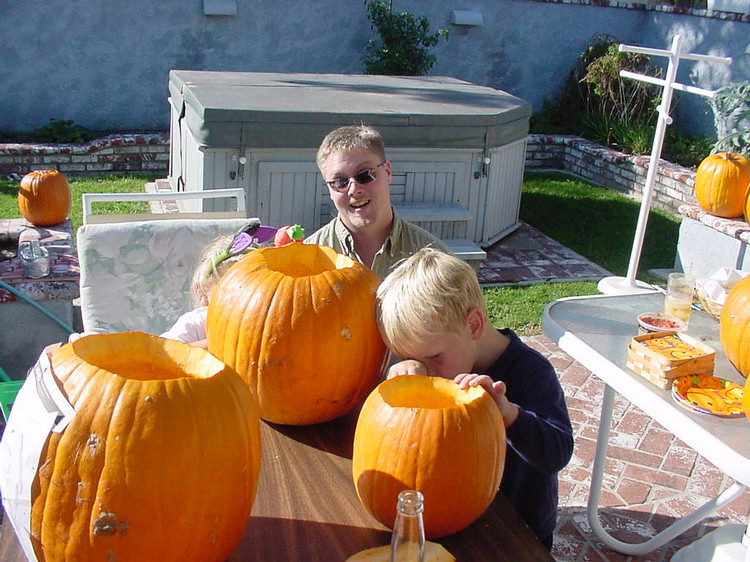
{"x":137,"y":275}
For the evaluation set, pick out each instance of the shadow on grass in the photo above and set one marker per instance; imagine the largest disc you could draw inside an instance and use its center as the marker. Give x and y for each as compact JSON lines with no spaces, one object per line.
{"x":597,"y":222}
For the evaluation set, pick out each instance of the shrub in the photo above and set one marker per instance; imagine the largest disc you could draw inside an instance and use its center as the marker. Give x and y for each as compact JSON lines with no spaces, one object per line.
{"x":404,"y":45}
{"x":596,"y":103}
{"x":731,"y":108}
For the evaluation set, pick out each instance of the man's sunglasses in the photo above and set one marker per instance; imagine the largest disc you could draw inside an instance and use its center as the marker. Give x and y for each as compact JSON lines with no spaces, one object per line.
{"x":363,"y":177}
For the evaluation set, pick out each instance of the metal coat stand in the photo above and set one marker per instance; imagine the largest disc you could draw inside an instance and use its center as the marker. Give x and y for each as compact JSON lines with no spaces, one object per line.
{"x":629,"y":284}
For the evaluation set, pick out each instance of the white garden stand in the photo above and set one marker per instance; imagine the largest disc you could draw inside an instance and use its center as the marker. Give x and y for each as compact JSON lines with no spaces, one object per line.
{"x":629,"y":284}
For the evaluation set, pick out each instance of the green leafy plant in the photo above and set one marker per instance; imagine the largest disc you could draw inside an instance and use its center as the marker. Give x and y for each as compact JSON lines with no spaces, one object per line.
{"x":627,"y":135}
{"x":404,"y":42}
{"x":62,"y":131}
{"x":731,"y":108}
{"x":597,"y":104}
{"x":627,"y":100}
{"x":684,"y":149}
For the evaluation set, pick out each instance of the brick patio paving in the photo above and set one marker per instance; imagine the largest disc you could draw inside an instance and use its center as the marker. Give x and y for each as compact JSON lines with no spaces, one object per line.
{"x":651,"y":478}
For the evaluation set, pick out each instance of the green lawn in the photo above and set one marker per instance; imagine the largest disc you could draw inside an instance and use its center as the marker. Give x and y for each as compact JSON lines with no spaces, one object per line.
{"x":105,"y":184}
{"x":597,"y":223}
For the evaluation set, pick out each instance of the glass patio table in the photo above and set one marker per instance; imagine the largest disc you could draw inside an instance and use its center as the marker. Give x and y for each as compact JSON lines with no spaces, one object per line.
{"x":595,"y":331}
{"x":307,"y":510}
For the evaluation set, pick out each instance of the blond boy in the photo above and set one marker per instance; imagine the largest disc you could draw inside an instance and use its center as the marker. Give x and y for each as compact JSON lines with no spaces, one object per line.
{"x":431,"y":313}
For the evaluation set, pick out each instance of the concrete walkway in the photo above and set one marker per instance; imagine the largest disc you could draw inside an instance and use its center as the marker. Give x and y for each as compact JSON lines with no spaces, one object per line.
{"x":651,"y":477}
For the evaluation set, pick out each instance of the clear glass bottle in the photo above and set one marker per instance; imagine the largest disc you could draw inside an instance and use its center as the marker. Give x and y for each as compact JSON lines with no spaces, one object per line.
{"x":407,"y":542}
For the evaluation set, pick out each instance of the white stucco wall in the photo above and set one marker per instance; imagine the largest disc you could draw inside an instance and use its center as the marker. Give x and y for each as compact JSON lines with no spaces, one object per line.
{"x":105,"y":64}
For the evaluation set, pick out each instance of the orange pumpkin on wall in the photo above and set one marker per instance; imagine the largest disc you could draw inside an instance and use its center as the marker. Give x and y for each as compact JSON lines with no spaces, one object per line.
{"x":298,"y":323}
{"x":160,"y":461}
{"x":721,"y":184}
{"x":44,"y":197}
{"x":425,"y":433}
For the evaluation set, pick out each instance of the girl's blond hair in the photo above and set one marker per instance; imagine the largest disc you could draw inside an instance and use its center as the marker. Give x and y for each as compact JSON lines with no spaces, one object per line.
{"x":429,"y":294}
{"x":208,"y":272}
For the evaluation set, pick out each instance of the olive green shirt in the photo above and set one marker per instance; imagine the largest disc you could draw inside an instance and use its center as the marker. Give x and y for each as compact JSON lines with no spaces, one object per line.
{"x":405,"y":239}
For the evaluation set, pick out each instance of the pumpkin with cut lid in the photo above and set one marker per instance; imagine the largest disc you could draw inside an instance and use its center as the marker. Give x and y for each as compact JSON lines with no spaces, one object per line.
{"x":160,"y":461}
{"x":426,"y":433}
{"x":297,"y":322}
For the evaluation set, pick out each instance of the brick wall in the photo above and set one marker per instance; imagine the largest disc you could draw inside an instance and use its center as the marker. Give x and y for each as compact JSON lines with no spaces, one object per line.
{"x":113,"y":154}
{"x":673,"y":184}
{"x":133,"y":153}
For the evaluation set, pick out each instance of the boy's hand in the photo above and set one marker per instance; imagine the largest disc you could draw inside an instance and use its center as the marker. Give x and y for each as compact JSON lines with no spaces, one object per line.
{"x":408,"y":367}
{"x":508,"y":410}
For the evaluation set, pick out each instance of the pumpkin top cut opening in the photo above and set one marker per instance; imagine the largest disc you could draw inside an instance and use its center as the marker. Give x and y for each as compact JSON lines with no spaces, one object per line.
{"x":304,"y":260}
{"x":144,"y":357}
{"x":416,"y":391}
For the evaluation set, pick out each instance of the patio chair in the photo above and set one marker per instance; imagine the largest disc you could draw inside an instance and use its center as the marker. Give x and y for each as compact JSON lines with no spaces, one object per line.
{"x":137,"y":275}
{"x":89,"y":217}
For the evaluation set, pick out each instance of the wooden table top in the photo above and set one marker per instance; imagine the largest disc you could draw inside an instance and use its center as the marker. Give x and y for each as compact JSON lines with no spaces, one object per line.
{"x":307,"y":510}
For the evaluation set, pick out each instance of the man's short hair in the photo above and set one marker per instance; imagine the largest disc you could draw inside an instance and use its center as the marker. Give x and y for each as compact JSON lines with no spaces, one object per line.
{"x":429,"y":294}
{"x":350,"y":137}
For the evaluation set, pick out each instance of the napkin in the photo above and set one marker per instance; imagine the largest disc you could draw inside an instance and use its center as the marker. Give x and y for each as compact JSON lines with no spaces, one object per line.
{"x":717,"y":286}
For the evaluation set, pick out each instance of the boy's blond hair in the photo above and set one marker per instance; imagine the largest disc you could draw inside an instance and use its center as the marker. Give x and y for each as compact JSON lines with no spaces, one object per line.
{"x":428,"y":294}
{"x":350,"y":137}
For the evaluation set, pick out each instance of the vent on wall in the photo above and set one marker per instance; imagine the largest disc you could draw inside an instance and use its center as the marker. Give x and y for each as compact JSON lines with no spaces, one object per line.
{"x":220,"y":7}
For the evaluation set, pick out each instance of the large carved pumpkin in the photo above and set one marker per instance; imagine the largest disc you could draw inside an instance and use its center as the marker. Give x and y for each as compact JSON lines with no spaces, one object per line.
{"x":425,"y":433}
{"x":298,"y":323}
{"x":44,"y":197}
{"x":160,"y":462}
{"x":721,"y":184}
{"x":734,"y":326}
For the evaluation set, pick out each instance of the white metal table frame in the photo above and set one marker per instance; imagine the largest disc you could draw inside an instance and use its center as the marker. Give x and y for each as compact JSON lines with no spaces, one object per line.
{"x":596,"y":330}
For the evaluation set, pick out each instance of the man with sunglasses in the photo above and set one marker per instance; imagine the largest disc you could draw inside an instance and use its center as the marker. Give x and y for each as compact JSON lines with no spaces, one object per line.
{"x":367,"y":229}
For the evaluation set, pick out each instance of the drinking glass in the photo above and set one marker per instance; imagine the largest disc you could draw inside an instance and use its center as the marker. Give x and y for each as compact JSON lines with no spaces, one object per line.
{"x":679,"y":297}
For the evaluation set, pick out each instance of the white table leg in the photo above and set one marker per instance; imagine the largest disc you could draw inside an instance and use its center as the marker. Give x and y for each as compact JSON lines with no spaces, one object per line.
{"x":660,"y":539}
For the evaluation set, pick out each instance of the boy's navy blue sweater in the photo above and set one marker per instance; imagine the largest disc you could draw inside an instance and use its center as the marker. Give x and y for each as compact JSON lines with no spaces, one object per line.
{"x":540,"y":441}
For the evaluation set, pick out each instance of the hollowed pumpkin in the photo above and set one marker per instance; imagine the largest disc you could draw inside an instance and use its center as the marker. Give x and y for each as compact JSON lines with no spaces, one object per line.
{"x":160,"y":462}
{"x":298,"y":323}
{"x":425,"y":433}
{"x":44,"y":197}
{"x":721,"y":184}
{"x":734,"y":326}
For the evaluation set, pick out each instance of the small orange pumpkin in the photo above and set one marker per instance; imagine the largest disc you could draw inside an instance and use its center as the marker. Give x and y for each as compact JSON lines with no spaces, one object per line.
{"x":734,"y":326}
{"x":746,"y":398}
{"x":721,"y":184}
{"x":298,"y":323}
{"x":160,"y":461}
{"x":44,"y":197}
{"x":427,"y":434}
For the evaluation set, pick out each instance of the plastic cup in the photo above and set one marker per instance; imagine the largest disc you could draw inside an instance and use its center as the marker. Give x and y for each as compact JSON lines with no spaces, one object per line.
{"x":679,"y":297}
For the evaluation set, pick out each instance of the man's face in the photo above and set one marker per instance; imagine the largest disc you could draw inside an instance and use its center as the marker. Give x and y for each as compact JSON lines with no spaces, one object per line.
{"x":360,"y":206}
